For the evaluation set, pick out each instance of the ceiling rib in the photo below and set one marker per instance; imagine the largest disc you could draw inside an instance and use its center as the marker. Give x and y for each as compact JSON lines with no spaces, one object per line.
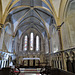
{"x":44,"y":23}
{"x":30,"y":17}
{"x":20,"y":11}
{"x":42,"y":11}
{"x":30,"y":27}
{"x":30,"y":23}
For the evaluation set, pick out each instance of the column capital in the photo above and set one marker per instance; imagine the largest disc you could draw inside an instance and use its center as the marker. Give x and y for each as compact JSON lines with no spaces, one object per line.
{"x":59,"y":26}
{"x":1,"y":25}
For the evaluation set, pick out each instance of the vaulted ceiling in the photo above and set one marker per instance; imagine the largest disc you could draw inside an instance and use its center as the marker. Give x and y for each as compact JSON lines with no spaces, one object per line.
{"x":24,"y":13}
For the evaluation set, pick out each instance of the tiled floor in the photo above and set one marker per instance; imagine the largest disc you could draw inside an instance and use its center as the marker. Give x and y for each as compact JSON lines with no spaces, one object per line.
{"x":28,"y":74}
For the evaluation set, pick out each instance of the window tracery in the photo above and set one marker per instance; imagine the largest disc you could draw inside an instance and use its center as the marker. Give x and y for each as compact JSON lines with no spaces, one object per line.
{"x":34,"y":41}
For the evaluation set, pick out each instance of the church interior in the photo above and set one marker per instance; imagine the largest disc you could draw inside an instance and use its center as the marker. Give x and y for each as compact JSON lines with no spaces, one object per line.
{"x":37,"y":37}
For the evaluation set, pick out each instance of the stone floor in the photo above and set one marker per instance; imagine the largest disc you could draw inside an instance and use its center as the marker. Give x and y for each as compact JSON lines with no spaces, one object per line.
{"x":28,"y":74}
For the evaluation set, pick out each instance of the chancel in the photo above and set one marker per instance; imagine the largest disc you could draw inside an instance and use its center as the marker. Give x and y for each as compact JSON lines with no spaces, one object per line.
{"x":37,"y":37}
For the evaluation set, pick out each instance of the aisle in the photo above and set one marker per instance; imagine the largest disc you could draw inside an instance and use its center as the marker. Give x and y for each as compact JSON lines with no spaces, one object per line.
{"x":28,"y":74}
{"x":30,"y":71}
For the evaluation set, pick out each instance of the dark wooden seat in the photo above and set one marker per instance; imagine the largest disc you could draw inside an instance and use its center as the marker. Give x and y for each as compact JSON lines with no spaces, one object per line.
{"x":60,"y":72}
{"x":5,"y":71}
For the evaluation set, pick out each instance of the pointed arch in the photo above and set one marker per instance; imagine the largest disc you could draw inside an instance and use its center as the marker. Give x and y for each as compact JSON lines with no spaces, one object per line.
{"x":0,"y":11}
{"x":25,"y":42}
{"x":37,"y":43}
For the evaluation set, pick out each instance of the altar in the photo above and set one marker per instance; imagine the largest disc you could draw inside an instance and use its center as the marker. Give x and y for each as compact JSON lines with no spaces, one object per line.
{"x":31,"y":61}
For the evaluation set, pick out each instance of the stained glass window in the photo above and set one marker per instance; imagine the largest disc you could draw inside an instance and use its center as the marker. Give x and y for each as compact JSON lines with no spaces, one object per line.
{"x":37,"y":43}
{"x":25,"y":43}
{"x":31,"y":41}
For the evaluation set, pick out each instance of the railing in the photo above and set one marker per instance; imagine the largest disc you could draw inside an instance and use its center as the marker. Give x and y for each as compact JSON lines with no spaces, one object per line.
{"x":64,"y":60}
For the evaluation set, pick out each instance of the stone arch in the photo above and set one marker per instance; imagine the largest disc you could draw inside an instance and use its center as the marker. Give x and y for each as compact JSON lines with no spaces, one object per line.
{"x":0,"y":11}
{"x":36,"y":32}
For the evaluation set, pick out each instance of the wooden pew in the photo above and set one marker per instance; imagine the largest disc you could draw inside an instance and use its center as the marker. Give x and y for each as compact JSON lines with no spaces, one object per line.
{"x":60,"y":72}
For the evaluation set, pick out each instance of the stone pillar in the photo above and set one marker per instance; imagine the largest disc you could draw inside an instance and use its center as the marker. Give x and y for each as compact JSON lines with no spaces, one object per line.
{"x":2,"y":64}
{"x":2,"y":37}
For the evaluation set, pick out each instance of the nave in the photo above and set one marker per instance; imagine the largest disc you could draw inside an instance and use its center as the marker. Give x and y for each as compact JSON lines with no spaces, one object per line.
{"x":37,"y":37}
